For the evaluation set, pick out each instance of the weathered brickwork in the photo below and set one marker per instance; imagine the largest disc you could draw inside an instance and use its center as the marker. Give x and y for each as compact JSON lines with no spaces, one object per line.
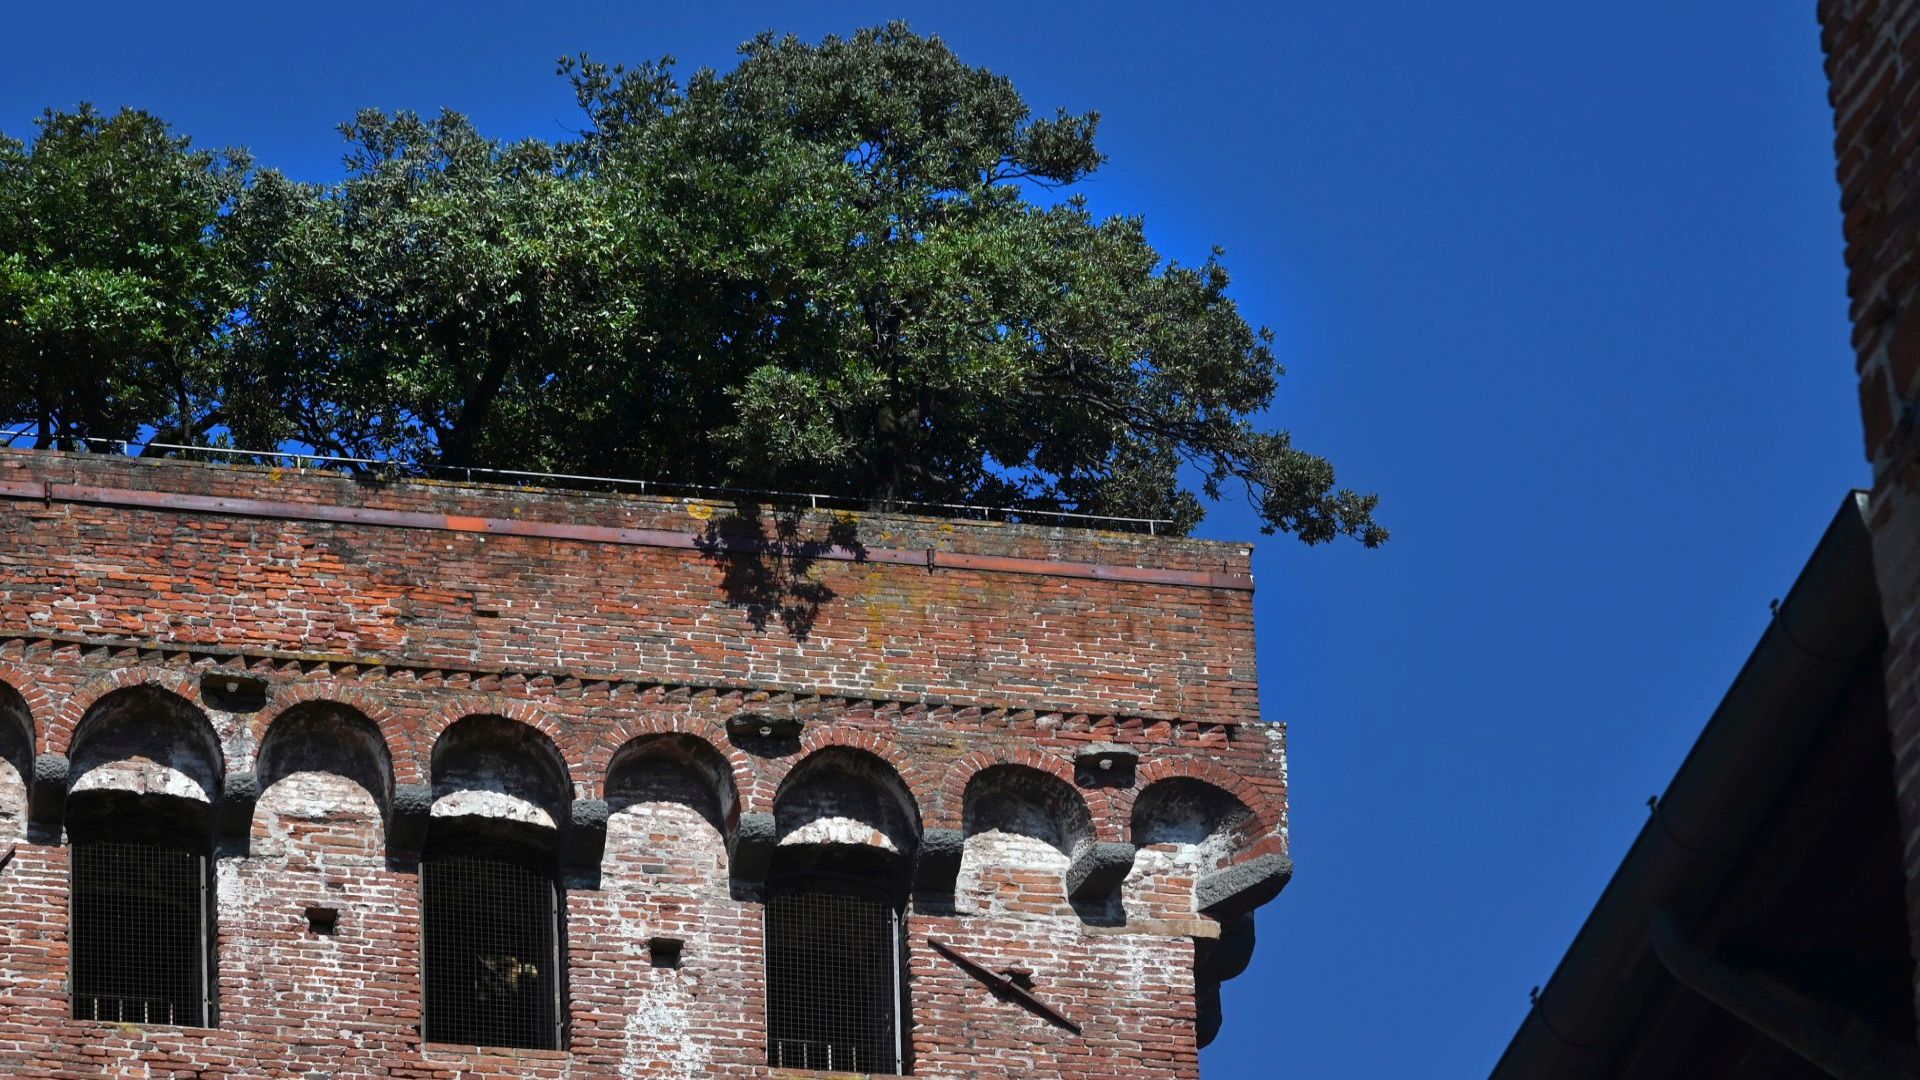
{"x":1873,"y":67}
{"x":1069,"y":760}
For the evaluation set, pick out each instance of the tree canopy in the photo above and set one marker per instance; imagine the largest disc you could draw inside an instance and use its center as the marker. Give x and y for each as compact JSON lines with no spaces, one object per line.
{"x":854,"y":267}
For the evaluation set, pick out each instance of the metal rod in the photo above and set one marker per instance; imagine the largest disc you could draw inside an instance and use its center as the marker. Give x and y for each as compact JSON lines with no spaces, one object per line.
{"x":206,"y":995}
{"x":899,"y":983}
{"x":469,"y":472}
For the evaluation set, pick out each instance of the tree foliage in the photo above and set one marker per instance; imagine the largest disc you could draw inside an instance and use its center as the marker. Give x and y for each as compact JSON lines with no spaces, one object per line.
{"x":854,"y":267}
{"x":114,"y":303}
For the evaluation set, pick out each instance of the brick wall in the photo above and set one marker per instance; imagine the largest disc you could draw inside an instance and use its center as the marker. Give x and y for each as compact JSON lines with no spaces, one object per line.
{"x":944,"y":677}
{"x":1873,"y":67}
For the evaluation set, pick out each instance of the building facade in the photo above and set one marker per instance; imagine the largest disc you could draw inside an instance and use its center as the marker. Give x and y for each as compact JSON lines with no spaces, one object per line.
{"x":313,"y":776}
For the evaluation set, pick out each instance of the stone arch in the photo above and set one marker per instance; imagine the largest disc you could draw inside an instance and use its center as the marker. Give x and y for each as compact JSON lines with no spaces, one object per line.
{"x":672,"y":806}
{"x":63,"y":727}
{"x":501,"y":778}
{"x":145,"y":762}
{"x":620,"y":738}
{"x":402,"y":754}
{"x":38,"y":701}
{"x":675,"y":767}
{"x":1019,"y":821}
{"x":555,"y":737}
{"x":950,"y":807}
{"x":326,"y":763}
{"x":914,"y":784}
{"x":1192,"y":768}
{"x":844,"y":808}
{"x":1184,"y":811}
{"x":1021,"y":800}
{"x":16,"y":759}
{"x":1185,"y":829}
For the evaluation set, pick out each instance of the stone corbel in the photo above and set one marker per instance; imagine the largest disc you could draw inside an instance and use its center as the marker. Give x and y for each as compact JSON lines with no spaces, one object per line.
{"x":586,"y":839}
{"x":237,"y":798}
{"x":750,"y":849}
{"x":407,"y":821}
{"x":47,"y":802}
{"x":1241,"y":888}
{"x":936,"y":867}
{"x":1098,"y":869}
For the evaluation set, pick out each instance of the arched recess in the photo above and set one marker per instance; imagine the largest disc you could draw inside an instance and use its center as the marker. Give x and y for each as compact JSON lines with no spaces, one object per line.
{"x":143,"y":784}
{"x":672,"y":803}
{"x":846,"y":830}
{"x":326,"y":765}
{"x":16,"y":760}
{"x":488,"y":768}
{"x":491,"y":903}
{"x":145,"y":764}
{"x":1184,"y":828}
{"x":1188,"y":813}
{"x":1018,"y":820}
{"x":398,"y":738}
{"x":841,"y":803}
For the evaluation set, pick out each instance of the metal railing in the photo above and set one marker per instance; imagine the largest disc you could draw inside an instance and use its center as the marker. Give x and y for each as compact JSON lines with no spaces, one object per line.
{"x":816,"y":500}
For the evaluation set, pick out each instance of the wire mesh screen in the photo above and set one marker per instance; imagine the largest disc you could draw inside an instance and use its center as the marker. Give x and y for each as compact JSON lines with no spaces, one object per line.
{"x":492,"y":954}
{"x":833,"y":984}
{"x":139,"y":934}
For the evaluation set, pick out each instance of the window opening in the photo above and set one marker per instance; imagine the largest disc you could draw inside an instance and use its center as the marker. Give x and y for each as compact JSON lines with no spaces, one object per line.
{"x":834,"y":981}
{"x":139,"y":934}
{"x":492,"y":953}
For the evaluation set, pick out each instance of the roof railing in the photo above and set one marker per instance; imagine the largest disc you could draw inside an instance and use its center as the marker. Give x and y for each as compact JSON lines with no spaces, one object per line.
{"x":815,"y":500}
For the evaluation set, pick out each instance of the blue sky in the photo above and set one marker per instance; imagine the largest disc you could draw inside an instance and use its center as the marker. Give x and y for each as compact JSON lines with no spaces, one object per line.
{"x":1562,"y":282}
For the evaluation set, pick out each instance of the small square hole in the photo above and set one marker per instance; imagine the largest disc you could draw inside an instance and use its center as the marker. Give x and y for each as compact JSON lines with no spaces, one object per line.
{"x":323,"y":920}
{"x":665,"y":951}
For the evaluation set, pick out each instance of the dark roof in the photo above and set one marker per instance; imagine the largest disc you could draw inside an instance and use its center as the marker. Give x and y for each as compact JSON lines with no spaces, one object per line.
{"x":1610,"y":989}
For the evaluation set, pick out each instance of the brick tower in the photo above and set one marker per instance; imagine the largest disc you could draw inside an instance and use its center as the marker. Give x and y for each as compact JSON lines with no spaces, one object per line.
{"x":303,"y":775}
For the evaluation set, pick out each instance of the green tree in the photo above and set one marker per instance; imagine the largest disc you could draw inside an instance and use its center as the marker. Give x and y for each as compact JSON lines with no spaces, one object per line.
{"x":438,"y":304}
{"x":868,"y":298}
{"x":854,"y":267}
{"x":115,"y":297}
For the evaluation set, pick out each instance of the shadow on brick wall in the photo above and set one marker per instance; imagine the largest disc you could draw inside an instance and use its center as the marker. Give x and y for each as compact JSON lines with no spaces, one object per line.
{"x":767,"y":564}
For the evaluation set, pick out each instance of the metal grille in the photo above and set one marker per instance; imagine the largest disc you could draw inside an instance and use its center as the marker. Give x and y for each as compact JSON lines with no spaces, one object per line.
{"x":833,"y":982}
{"x":492,"y":953}
{"x":139,"y":934}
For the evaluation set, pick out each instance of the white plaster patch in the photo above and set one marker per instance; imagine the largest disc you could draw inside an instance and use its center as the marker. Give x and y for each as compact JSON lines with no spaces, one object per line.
{"x":839,"y":830}
{"x":317,"y":795}
{"x":471,"y":802}
{"x":677,"y":836}
{"x":988,"y":866}
{"x":142,"y":776}
{"x":13,"y":796}
{"x":659,"y":1033}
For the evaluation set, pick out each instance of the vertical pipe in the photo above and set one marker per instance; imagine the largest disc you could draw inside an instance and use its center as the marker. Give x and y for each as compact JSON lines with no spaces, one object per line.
{"x":899,"y":988}
{"x":559,"y":973}
{"x":206,"y":947}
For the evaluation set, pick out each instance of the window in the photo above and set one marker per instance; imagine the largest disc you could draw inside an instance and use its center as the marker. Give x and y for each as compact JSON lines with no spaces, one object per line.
{"x":140,"y":933}
{"x":141,"y":798}
{"x":492,"y":951}
{"x":833,"y":979}
{"x":492,"y":965}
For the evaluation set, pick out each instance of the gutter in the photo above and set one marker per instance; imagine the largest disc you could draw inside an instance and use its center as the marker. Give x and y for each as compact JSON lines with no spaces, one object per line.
{"x":1828,"y":625}
{"x":1849,"y":1052}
